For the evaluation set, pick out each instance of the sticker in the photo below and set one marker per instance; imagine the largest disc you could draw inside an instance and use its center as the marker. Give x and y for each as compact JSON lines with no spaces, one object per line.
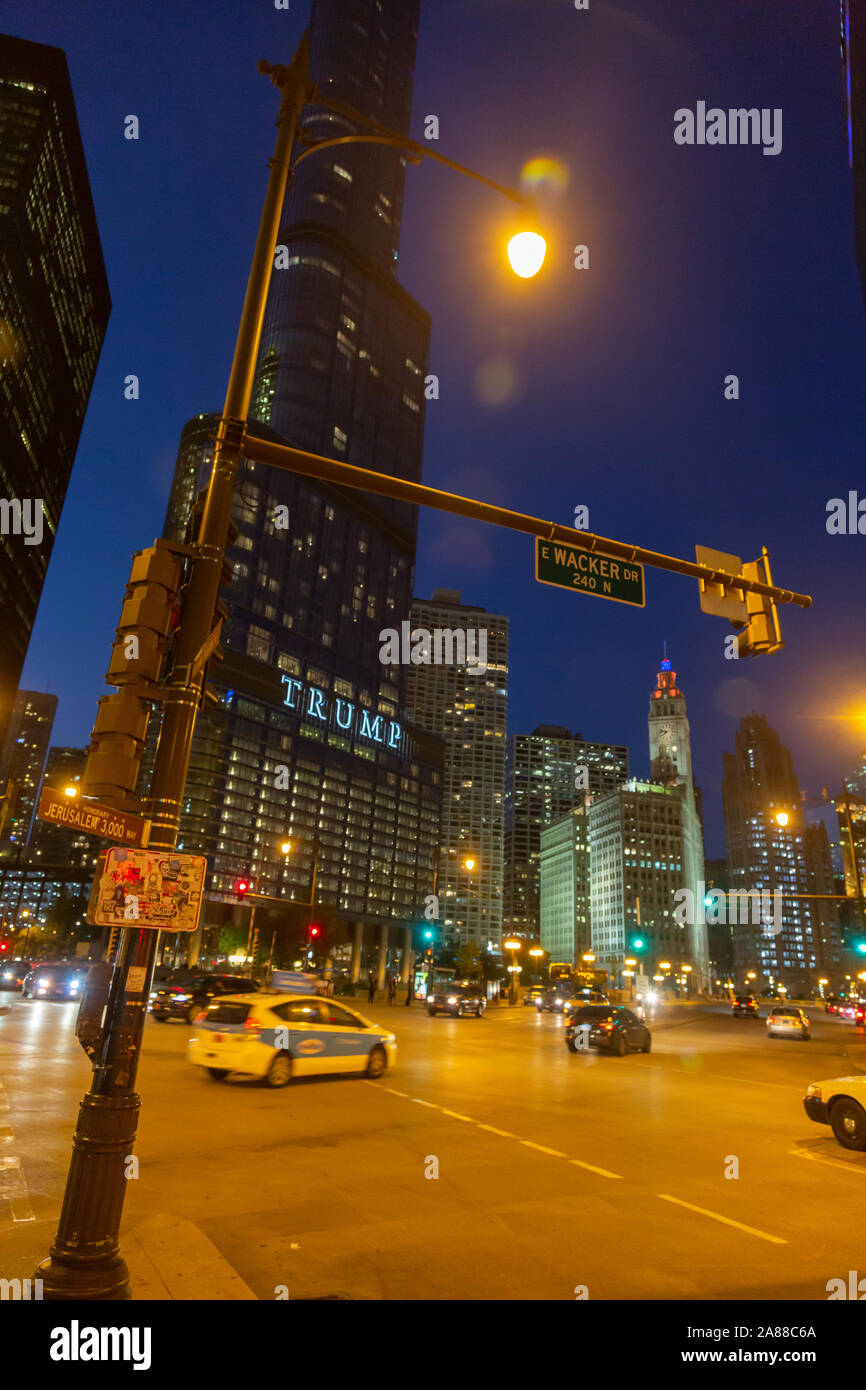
{"x":135,"y":978}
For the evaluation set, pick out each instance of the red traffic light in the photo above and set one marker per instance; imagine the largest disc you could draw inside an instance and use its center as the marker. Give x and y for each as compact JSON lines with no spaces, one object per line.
{"x":243,"y":886}
{"x":315,"y":931}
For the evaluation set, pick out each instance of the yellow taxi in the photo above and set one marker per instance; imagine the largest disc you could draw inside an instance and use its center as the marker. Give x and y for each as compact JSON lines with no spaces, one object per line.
{"x":280,"y":1036}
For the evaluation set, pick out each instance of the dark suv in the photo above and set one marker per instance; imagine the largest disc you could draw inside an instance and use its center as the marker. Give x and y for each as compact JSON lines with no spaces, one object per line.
{"x":745,"y":1006}
{"x":608,"y":1027}
{"x":185,"y":999}
{"x":457,"y":1000}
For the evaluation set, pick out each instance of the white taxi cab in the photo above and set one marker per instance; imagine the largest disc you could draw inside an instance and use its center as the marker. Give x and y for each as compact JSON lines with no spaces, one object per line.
{"x":280,"y":1036}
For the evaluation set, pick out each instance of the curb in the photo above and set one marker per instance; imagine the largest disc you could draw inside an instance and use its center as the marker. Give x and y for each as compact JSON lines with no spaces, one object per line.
{"x":171,"y":1259}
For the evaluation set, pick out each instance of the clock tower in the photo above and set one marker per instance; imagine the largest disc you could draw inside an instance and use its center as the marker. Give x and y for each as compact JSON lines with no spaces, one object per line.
{"x":669,"y":738}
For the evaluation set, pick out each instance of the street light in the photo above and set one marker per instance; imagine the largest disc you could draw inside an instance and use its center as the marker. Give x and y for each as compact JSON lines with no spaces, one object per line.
{"x":512,"y":946}
{"x":782,"y":817}
{"x":536,"y":951}
{"x":526,"y":253}
{"x":70,"y":791}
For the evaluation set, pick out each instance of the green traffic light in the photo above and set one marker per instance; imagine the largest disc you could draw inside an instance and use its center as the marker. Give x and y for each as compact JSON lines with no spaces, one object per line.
{"x":861,"y":947}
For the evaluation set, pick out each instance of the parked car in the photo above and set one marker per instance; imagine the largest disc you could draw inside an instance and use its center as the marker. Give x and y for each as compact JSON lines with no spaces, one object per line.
{"x":607,"y":1027}
{"x":279,"y":1036}
{"x":457,"y":1000}
{"x":186,"y":999}
{"x":60,"y":981}
{"x":788,"y":1022}
{"x":13,"y":973}
{"x":745,"y":1006}
{"x":840,"y":1104}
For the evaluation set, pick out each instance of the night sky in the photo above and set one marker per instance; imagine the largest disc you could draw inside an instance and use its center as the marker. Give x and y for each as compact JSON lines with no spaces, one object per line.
{"x":704,"y":261}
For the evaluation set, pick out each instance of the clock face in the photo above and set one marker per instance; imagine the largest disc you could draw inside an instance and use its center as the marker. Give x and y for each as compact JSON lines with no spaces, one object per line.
{"x":665,"y":733}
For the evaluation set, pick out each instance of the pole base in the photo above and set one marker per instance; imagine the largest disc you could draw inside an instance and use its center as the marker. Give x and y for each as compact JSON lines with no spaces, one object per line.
{"x":82,"y":1281}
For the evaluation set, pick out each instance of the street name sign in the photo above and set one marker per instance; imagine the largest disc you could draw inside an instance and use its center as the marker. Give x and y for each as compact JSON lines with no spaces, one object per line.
{"x":92,"y":818}
{"x":571,"y":567}
{"x":154,"y":888}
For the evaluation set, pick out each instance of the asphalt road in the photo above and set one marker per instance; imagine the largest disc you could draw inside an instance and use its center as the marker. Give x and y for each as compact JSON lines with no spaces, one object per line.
{"x":555,"y":1170}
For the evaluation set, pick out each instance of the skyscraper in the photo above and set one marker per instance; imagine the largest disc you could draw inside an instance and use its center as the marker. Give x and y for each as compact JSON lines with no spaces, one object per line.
{"x":468,"y":706}
{"x":21,"y":765}
{"x":771,"y":849}
{"x":564,"y":886}
{"x":310,"y":738}
{"x":851,"y":813}
{"x":637,"y":840}
{"x":548,"y":773}
{"x":671,"y":765}
{"x":54,"y":308}
{"x":853,"y":24}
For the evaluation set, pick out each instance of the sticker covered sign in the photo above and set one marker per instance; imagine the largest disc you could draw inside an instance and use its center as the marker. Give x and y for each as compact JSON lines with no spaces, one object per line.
{"x":148,"y":888}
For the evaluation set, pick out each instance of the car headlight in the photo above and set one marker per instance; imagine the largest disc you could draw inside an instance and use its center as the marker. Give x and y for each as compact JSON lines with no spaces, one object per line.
{"x":7,"y":975}
{"x":452,"y":999}
{"x":44,"y":984}
{"x":182,"y":998}
{"x":814,"y":1091}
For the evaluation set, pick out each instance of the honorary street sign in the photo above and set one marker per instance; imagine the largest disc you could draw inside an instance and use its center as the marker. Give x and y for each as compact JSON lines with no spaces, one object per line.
{"x":148,"y":888}
{"x":92,"y":818}
{"x":569,"y":567}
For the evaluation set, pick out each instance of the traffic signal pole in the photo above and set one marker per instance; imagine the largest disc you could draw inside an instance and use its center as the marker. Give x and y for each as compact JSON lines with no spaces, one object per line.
{"x":349,"y":475}
{"x":85,"y":1263}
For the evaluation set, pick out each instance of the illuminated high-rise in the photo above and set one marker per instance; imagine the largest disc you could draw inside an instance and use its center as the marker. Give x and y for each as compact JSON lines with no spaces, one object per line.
{"x":54,"y":308}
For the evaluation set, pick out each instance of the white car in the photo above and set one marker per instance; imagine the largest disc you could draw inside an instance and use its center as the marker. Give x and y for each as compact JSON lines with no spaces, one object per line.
{"x":841,"y":1104}
{"x":789,"y":1022}
{"x":280,"y":1036}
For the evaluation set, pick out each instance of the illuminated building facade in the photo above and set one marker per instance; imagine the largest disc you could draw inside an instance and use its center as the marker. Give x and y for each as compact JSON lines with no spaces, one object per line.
{"x":770,"y":847}
{"x":548,"y":773}
{"x":564,"y":886}
{"x":469,"y":709}
{"x":853,"y":34}
{"x":22,"y":763}
{"x":54,"y":308}
{"x":310,"y":739}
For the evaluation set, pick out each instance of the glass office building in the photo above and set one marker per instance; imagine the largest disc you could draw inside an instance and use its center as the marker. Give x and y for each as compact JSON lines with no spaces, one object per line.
{"x":54,"y":308}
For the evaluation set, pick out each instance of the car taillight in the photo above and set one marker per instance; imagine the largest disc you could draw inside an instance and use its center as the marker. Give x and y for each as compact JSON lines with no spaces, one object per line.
{"x":252,"y":1025}
{"x":607,"y":1026}
{"x":200,"y":1018}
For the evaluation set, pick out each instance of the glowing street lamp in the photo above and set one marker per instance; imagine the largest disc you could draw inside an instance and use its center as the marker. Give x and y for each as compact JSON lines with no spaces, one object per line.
{"x":782,"y":818}
{"x":70,"y":791}
{"x":526,"y":252}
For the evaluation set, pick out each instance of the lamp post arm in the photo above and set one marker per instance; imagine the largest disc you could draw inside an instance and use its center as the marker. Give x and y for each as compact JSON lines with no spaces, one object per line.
{"x":383,"y":135}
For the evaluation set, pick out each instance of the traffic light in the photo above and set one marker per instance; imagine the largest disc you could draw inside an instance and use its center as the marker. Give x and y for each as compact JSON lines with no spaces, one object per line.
{"x":242,"y":887}
{"x":753,"y":616}
{"x":761,"y":632}
{"x":637,"y":943}
{"x":860,"y":947}
{"x":136,"y":666}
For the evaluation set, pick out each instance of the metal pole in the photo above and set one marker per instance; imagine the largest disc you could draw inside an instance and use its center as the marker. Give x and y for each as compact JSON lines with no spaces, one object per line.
{"x":85,"y":1262}
{"x":349,"y":475}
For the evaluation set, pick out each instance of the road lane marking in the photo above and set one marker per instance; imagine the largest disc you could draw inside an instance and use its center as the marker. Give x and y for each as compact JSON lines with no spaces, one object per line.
{"x":392,"y":1092}
{"x":491,"y":1129}
{"x":726,"y":1220}
{"x":830,"y":1162}
{"x":429,"y":1104}
{"x":542,"y":1149}
{"x":453,"y":1113}
{"x":591,"y":1168}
